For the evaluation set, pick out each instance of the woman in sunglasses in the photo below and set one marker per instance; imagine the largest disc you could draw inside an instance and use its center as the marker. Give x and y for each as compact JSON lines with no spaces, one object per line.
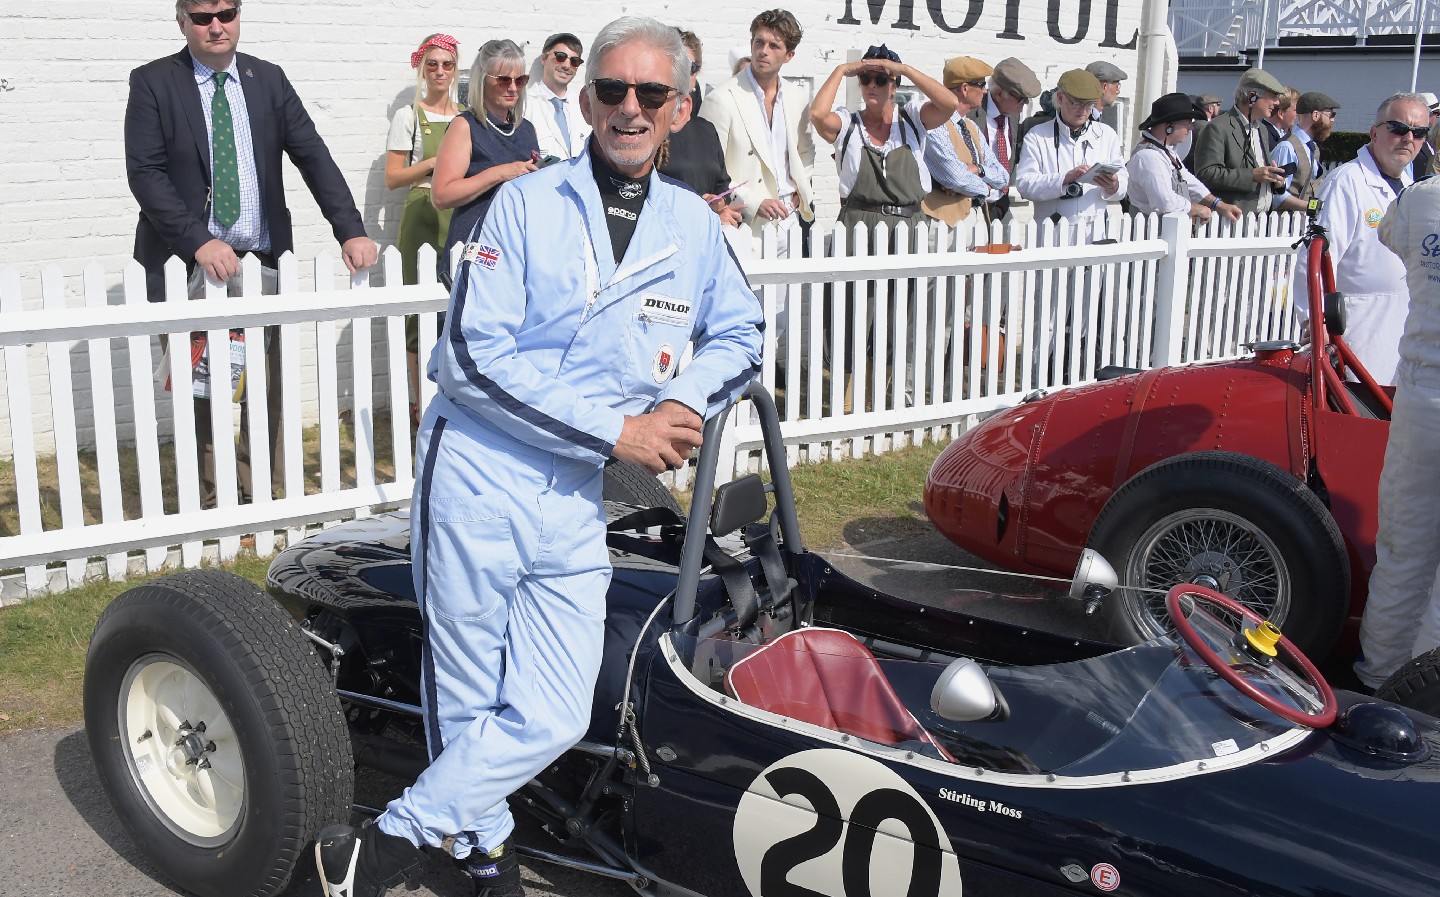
{"x":693,"y":155}
{"x":415,"y":135}
{"x":495,"y":144}
{"x":880,"y":149}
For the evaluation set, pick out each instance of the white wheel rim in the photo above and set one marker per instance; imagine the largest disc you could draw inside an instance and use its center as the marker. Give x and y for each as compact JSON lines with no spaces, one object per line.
{"x":182,"y":750}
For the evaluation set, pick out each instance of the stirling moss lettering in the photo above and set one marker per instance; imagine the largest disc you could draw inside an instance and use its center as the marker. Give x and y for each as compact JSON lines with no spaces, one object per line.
{"x":979,"y":805}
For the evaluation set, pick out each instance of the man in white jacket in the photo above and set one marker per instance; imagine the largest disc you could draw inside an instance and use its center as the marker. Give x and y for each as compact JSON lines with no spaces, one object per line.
{"x":559,"y":126}
{"x":1056,"y":158}
{"x":1355,"y":197}
{"x":764,"y":127}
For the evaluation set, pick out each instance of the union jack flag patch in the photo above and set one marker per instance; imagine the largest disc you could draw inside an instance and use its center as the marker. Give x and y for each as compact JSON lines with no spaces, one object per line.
{"x":481,"y":254}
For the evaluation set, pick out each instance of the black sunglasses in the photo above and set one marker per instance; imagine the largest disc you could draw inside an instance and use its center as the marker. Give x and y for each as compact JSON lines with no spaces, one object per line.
{"x":1400,"y":129}
{"x":562,"y":57}
{"x":203,"y":19}
{"x":980,"y":84}
{"x":650,"y":94}
{"x":694,"y":68}
{"x":867,"y":79}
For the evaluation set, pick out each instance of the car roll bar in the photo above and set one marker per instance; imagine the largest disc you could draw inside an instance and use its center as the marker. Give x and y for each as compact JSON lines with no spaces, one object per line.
{"x":1325,"y":380}
{"x":692,"y":555}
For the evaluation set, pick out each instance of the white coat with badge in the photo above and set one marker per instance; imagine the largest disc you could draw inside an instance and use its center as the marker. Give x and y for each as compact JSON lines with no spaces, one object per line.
{"x":1355,"y":197}
{"x":1048,"y":153}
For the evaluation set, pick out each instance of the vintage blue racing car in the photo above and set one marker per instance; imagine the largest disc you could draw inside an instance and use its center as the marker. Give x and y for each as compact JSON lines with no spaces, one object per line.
{"x":765,"y":725}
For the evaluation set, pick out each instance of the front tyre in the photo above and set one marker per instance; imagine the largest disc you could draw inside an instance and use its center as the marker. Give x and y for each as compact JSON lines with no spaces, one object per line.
{"x":1232,"y":523}
{"x":215,"y":731}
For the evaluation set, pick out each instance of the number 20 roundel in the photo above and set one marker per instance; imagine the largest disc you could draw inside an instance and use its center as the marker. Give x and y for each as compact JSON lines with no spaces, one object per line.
{"x":833,"y":823}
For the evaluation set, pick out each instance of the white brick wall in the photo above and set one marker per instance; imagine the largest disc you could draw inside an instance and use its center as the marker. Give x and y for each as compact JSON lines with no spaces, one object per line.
{"x":63,"y":190}
{"x":63,"y":196}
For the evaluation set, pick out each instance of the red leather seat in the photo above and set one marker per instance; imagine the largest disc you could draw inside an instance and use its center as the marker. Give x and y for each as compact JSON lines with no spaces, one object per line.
{"x":826,"y":677}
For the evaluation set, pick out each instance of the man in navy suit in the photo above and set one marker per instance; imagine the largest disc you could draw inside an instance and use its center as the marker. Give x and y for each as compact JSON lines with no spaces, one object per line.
{"x":204,"y":133}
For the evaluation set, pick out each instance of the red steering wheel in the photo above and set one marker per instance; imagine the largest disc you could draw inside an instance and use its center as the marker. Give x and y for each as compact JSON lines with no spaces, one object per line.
{"x":1317,"y":720}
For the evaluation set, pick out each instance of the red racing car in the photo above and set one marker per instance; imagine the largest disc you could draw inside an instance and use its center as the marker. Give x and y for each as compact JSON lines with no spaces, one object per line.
{"x":1256,"y":477}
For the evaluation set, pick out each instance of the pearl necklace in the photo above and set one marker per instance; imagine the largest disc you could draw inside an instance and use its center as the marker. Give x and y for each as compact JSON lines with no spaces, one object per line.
{"x":489,"y":120}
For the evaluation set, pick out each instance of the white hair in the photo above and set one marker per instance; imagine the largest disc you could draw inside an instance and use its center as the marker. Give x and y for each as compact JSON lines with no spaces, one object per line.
{"x":1382,"y":114}
{"x":639,"y":29}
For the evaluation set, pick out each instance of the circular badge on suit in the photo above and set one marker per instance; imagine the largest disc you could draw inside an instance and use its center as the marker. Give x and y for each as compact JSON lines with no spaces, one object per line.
{"x":663,"y":364}
{"x":1373,"y":216}
{"x":830,"y":821}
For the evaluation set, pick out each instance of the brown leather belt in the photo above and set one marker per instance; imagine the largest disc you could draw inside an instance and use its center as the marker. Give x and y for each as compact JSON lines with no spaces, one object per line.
{"x":884,"y":209}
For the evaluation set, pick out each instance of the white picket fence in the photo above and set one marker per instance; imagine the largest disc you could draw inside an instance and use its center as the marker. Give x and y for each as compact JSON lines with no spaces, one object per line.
{"x":951,"y":334}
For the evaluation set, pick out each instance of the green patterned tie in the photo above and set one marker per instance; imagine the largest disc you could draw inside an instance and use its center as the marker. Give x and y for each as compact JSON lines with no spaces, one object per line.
{"x":225,"y":179}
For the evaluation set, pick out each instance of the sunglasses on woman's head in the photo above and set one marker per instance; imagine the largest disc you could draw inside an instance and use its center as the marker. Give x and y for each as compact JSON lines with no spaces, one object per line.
{"x":1400,"y":129}
{"x":649,"y":94}
{"x":506,"y":82}
{"x":434,"y":64}
{"x":867,"y":79}
{"x":562,"y":57}
{"x":203,"y":19}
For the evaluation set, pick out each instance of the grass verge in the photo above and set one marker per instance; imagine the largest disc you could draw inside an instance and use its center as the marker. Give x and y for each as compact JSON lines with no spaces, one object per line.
{"x":43,"y":641}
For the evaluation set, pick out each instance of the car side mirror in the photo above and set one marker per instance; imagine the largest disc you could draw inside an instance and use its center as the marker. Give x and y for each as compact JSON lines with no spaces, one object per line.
{"x":1094,"y":579}
{"x":737,"y":503}
{"x":964,"y":694}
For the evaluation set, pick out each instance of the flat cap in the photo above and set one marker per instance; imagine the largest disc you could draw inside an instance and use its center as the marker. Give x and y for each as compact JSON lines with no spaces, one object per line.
{"x":1315,"y":101}
{"x":1259,"y":79}
{"x":1208,"y":99}
{"x":965,"y":68}
{"x":1105,"y":71}
{"x":1015,"y":77}
{"x":1079,"y":84}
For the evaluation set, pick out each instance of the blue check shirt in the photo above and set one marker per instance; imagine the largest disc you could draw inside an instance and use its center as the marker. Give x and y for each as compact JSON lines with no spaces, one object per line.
{"x":249,"y":231}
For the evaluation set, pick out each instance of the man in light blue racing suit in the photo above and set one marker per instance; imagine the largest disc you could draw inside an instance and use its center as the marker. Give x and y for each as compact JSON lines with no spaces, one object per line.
{"x":575,"y":298}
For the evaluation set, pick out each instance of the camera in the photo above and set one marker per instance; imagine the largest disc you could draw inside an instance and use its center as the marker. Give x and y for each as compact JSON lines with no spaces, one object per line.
{"x":1073,"y":190}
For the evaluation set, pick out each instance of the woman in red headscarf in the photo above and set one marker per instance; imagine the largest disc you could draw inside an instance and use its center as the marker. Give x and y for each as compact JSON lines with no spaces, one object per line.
{"x":414,"y":140}
{"x":415,"y":134}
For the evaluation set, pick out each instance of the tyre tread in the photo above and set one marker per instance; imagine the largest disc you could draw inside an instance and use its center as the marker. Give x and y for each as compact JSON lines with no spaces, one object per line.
{"x":633,"y":484}
{"x":1418,"y":678}
{"x":287,"y":679}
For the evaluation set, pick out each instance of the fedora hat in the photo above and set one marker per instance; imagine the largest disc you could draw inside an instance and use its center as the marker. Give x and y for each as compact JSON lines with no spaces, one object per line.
{"x":1171,"y":107}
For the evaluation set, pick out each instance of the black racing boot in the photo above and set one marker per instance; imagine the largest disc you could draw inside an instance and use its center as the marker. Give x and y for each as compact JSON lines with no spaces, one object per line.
{"x":363,"y":862}
{"x":497,"y":873}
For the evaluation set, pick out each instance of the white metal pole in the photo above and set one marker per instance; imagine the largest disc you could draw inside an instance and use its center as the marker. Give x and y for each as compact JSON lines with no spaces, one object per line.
{"x":1155,"y":29}
{"x":1264,"y":27}
{"x":1419,"y":39}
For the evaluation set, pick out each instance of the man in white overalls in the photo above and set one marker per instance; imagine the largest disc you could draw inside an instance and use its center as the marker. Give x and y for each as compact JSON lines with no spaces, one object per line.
{"x":1355,"y":198}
